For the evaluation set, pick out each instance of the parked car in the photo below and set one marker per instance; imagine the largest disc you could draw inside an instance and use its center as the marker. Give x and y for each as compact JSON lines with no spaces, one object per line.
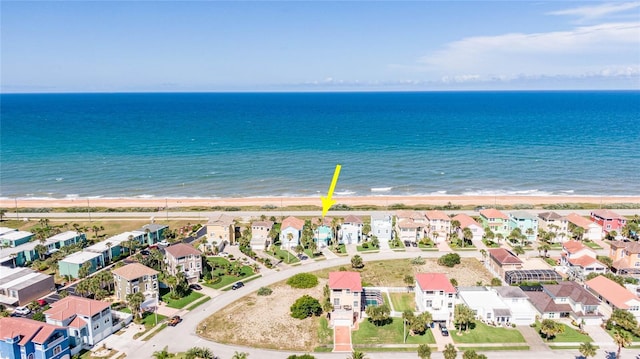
{"x":22,"y":310}
{"x":195,"y":287}
{"x":237,"y":285}
{"x":223,"y":254}
{"x":164,"y":243}
{"x":42,"y":302}
{"x":443,"y":330}
{"x":175,"y":320}
{"x":414,"y":244}
{"x":145,"y":252}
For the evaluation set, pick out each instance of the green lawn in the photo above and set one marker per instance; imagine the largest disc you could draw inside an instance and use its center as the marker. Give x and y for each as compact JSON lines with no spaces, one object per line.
{"x":483,"y":333}
{"x":633,"y":337}
{"x":341,"y":249}
{"x":403,"y":301}
{"x":369,"y":249}
{"x":428,"y":247}
{"x":181,"y":302}
{"x":388,"y":334}
{"x":226,"y":279}
{"x":312,"y":255}
{"x":570,"y":335}
{"x":592,"y":245}
{"x":288,"y":257}
{"x":490,"y":244}
{"x":325,"y":334}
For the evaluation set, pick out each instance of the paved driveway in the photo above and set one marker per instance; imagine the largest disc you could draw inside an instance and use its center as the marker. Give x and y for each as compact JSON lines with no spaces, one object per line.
{"x":342,"y":339}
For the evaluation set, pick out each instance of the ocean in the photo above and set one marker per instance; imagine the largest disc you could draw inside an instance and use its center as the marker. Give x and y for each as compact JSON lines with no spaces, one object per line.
{"x":288,"y":144}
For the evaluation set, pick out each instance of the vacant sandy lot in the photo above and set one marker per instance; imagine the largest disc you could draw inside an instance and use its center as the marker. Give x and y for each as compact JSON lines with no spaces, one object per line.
{"x":264,"y":321}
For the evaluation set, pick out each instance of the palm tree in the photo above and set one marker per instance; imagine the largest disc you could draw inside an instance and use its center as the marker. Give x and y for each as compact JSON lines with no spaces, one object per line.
{"x":529,"y":232}
{"x":518,"y":250}
{"x":622,"y":339}
{"x":455,"y":225}
{"x":424,"y":351}
{"x":550,"y":328}
{"x":544,"y":247}
{"x":134,"y":301}
{"x":41,"y":250}
{"x":577,"y":232}
{"x":467,"y":235}
{"x":587,"y":350}
{"x":240,"y":355}
{"x":162,"y":354}
{"x":109,"y":256}
{"x":484,"y":254}
{"x":450,"y":351}
{"x":172,"y":282}
{"x":356,"y":354}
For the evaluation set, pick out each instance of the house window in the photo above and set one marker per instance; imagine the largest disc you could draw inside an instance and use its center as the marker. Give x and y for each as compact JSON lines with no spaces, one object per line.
{"x":30,"y":356}
{"x":96,"y":326}
{"x":136,"y":289}
{"x":336,"y":301}
{"x":57,"y":350}
{"x":348,"y":291}
{"x":428,"y":292}
{"x":128,"y":290}
{"x":450,"y":305}
{"x":106,"y":320}
{"x":429,"y":303}
{"x":552,"y":315}
{"x":450,"y":295}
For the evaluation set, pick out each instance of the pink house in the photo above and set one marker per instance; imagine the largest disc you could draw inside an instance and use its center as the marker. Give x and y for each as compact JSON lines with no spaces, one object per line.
{"x":609,"y":220}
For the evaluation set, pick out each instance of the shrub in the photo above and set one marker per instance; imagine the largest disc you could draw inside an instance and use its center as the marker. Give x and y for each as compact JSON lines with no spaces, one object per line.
{"x":303,"y":356}
{"x":303,"y":280}
{"x":449,"y":260}
{"x":418,"y":261}
{"x":365,"y":245}
{"x":264,"y":291}
{"x":306,"y":306}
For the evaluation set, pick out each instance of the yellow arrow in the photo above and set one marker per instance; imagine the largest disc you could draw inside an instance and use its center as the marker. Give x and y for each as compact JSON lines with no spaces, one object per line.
{"x":327,"y":202}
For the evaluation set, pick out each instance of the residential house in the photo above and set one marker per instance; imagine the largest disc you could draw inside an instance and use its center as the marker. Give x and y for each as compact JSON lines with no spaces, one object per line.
{"x":20,"y":286}
{"x":260,"y":230}
{"x":527,"y":222}
{"x":323,"y":234}
{"x":15,"y":238}
{"x":439,"y":227}
{"x":466,"y":221}
{"x":382,"y":226}
{"x":579,"y":260}
{"x":351,"y":230}
{"x":88,"y":321}
{"x":186,"y":259}
{"x":435,"y":294}
{"x":522,"y":311}
{"x":70,"y":265}
{"x":347,"y":297}
{"x":4,"y":230}
{"x":118,"y":245}
{"x":134,"y":278}
{"x":566,"y":300}
{"x":221,"y":229}
{"x":551,"y":222}
{"x":154,"y":232}
{"x":500,"y":305}
{"x":592,"y":230}
{"x":25,"y":253}
{"x":609,"y":220}
{"x":502,"y":260}
{"x":290,"y":232}
{"x":410,"y":226}
{"x":625,"y":256}
{"x":613,"y":296}
{"x":22,"y":338}
{"x":495,"y":220}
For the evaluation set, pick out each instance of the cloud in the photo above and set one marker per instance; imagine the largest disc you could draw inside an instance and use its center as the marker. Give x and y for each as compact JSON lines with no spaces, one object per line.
{"x":570,"y":52}
{"x":593,"y":12}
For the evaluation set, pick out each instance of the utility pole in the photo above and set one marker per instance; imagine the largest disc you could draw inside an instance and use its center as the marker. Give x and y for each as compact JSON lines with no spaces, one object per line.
{"x":17,"y":216}
{"x":89,"y":209}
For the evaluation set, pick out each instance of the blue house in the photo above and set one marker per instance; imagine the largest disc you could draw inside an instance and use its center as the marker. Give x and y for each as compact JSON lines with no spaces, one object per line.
{"x":22,"y":338}
{"x":154,"y":232}
{"x":15,"y":238}
{"x":524,"y":221}
{"x":323,"y":234}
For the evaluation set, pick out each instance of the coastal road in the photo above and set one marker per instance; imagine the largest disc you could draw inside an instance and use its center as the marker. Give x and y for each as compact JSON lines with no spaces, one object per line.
{"x":205,"y":215}
{"x":183,"y":336}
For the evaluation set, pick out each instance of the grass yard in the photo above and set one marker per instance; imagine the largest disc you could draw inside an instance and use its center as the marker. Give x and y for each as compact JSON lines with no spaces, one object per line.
{"x":403,"y":301}
{"x":428,"y":247}
{"x":570,"y":335}
{"x":339,"y":250}
{"x":483,"y":333}
{"x":149,"y":321}
{"x":504,"y":347}
{"x":287,"y":257}
{"x":391,"y":333}
{"x":634,"y":338}
{"x":369,"y":249}
{"x":312,"y":255}
{"x":226,"y":279}
{"x":592,"y":245}
{"x":325,"y":334}
{"x":181,"y":302}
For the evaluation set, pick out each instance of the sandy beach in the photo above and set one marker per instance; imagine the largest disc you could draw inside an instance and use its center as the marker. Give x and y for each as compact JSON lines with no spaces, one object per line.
{"x":382,"y":201}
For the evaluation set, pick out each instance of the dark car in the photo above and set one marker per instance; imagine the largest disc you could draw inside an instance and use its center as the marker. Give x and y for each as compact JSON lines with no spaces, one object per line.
{"x":145,"y":252}
{"x":175,"y":320}
{"x":237,"y":285}
{"x":443,"y":330}
{"x":414,"y":244}
{"x":195,"y":287}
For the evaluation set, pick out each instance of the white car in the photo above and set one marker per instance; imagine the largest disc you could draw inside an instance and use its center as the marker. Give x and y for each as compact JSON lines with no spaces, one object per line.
{"x":164,"y":243}
{"x":223,"y":254}
{"x":22,"y":310}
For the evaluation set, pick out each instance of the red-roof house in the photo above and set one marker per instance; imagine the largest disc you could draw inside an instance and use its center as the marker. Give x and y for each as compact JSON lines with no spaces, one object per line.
{"x":502,"y":260}
{"x":435,"y":294}
{"x":439,"y":226}
{"x":467,"y":221}
{"x":89,"y":320}
{"x":609,"y":220}
{"x":347,"y":297}
{"x":290,"y":232}
{"x":580,"y":260}
{"x":592,"y":230}
{"x":613,"y":296}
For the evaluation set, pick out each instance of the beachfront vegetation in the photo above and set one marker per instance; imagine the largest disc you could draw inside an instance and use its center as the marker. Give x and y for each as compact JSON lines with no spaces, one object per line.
{"x":303,"y":280}
{"x":306,"y":306}
{"x":449,"y":260}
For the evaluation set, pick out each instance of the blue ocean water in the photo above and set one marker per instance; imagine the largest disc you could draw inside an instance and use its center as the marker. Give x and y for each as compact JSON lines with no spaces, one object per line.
{"x":287,"y":144}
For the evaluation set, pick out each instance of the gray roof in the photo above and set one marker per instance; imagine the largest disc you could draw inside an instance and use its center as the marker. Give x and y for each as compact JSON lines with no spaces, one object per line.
{"x":152,"y":227}
{"x":550,"y":215}
{"x":19,"y":278}
{"x":499,"y":312}
{"x":523,"y":214}
{"x":510,"y":292}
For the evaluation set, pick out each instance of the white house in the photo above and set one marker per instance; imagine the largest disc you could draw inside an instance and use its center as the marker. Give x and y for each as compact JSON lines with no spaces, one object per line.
{"x":613,"y":296}
{"x":382,"y":226}
{"x":579,"y":260}
{"x":290,"y":232}
{"x":89,"y":321}
{"x":410,"y":225}
{"x":436,"y":295}
{"x":551,"y":222}
{"x":260,"y":234}
{"x":486,"y":304}
{"x":439,"y":225}
{"x":467,"y":222}
{"x":351,"y":230}
{"x":592,"y":230}
{"x":522,"y":311}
